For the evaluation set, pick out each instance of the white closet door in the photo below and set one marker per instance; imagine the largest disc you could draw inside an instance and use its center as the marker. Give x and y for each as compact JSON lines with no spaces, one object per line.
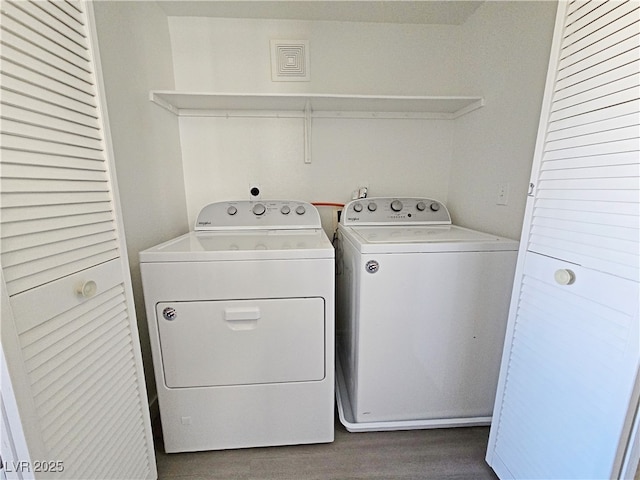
{"x":567,"y":389}
{"x":73,"y":355}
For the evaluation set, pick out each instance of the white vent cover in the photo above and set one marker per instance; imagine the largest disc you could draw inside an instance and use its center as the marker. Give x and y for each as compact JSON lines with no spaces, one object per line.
{"x":290,"y":61}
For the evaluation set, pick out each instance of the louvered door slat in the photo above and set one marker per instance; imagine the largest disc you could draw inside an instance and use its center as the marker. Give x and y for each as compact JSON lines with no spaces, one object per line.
{"x":596,"y":87}
{"x":39,"y":119}
{"x":38,"y":19}
{"x":595,"y":138}
{"x":583,"y":82}
{"x":63,"y":20}
{"x":585,"y":54}
{"x":39,"y":100}
{"x":17,"y":244}
{"x":621,"y":29}
{"x":603,"y":125}
{"x":72,"y":12}
{"x":20,"y":78}
{"x":30,"y":144}
{"x":22,"y":13}
{"x":604,"y":148}
{"x":593,"y":105}
{"x":598,"y":172}
{"x":28,"y":59}
{"x":593,"y":18}
{"x":53,"y":211}
{"x":591,"y":206}
{"x":76,"y":65}
{"x":44,"y":159}
{"x":621,"y":109}
{"x":32,"y":63}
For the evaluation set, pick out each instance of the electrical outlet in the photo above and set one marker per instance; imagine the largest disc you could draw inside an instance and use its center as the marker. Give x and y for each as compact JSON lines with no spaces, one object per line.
{"x":502,"y":195}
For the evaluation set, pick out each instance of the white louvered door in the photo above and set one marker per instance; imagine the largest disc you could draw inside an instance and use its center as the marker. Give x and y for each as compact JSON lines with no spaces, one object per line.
{"x":568,"y":385}
{"x":73,"y":355}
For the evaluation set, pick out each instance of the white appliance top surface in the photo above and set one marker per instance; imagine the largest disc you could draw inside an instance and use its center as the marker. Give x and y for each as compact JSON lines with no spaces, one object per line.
{"x":424,"y":238}
{"x":248,"y":230}
{"x":242,"y":245}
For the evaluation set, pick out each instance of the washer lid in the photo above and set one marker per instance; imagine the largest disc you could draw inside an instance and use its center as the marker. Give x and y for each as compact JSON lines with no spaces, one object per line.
{"x":242,"y":245}
{"x":406,"y":239}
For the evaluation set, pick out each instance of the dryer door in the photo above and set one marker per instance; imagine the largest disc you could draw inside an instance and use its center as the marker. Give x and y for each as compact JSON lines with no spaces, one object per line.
{"x":241,"y":342}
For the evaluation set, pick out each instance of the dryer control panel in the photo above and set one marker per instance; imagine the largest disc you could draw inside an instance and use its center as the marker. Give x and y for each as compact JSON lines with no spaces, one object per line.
{"x":395,"y":211}
{"x":258,"y":215}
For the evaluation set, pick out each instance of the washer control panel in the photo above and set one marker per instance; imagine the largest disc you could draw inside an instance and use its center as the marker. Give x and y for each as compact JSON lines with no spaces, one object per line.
{"x":396,"y":211}
{"x":259,"y":214}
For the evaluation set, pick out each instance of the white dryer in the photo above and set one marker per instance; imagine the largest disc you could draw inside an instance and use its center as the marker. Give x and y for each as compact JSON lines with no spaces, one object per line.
{"x":241,"y":321}
{"x":421,"y":315}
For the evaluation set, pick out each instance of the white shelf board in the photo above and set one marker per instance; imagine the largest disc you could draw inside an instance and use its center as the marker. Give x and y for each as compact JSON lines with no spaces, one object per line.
{"x":321,"y":105}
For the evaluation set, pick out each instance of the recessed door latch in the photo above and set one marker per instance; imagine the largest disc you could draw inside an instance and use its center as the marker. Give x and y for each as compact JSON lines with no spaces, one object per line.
{"x":372,"y":266}
{"x":169,"y":313}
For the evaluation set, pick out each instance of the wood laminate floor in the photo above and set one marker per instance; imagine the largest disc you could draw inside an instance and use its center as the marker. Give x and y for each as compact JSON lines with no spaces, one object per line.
{"x":447,"y":454}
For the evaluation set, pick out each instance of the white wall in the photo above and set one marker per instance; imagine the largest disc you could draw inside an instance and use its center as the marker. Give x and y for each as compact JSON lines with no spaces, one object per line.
{"x":505,"y":56}
{"x":136,"y":57}
{"x":222,"y":156}
{"x":233,"y":55}
{"x":500,"y":53}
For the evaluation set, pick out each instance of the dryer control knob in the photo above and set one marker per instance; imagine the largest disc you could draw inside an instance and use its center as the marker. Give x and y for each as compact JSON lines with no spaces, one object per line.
{"x":259,"y":209}
{"x":396,"y":205}
{"x":300,"y":210}
{"x":232,"y":210}
{"x":434,"y":207}
{"x":421,"y":206}
{"x":357,"y":207}
{"x":285,"y":210}
{"x":372,"y":207}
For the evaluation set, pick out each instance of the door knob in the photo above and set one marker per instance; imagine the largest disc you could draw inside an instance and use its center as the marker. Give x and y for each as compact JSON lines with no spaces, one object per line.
{"x":564,"y":276}
{"x":87,"y":289}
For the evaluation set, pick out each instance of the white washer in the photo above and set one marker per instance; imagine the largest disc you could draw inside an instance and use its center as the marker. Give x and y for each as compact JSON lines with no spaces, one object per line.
{"x":241,"y":321}
{"x":421,"y":315}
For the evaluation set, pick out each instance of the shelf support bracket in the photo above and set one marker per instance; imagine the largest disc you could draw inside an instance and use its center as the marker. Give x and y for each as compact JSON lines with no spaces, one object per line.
{"x":307,"y":132}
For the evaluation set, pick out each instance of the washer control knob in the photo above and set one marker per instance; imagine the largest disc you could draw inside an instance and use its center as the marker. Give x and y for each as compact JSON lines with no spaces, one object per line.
{"x":434,"y":207}
{"x":285,"y":210}
{"x":421,"y":206}
{"x":259,"y":209}
{"x":372,"y":207}
{"x":357,"y":207}
{"x":300,"y":210}
{"x":232,"y":210}
{"x":396,"y":205}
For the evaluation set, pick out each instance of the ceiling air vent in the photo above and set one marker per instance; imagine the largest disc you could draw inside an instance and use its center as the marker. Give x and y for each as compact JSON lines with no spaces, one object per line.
{"x":290,"y":61}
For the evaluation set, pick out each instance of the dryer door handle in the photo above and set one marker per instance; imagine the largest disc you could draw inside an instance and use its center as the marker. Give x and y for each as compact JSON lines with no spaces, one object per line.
{"x":245,"y":318}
